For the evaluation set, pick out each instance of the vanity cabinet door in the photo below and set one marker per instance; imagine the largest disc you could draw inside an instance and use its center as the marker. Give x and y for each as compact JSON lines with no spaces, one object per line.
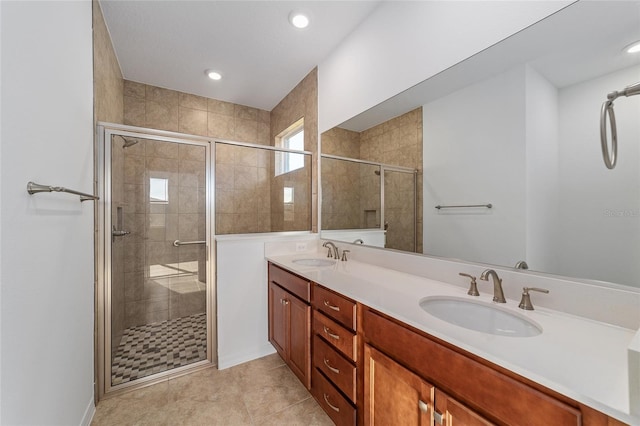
{"x":300,"y":340}
{"x":289,"y":331}
{"x":450,"y":412}
{"x":394,"y":395}
{"x":278,"y":328}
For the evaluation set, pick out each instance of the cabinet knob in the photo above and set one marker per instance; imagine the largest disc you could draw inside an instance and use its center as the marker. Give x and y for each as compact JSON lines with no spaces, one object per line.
{"x":423,"y":406}
{"x":284,"y":301}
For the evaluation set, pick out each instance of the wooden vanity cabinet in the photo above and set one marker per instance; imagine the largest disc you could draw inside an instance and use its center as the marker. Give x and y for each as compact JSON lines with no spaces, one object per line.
{"x":370,"y":369}
{"x":335,"y":355}
{"x":290,"y":321}
{"x":453,"y":413}
{"x":393,"y":395}
{"x":482,"y":393}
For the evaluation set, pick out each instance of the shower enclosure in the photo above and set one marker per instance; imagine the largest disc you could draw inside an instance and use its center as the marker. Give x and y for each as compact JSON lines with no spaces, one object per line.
{"x":154,"y":314}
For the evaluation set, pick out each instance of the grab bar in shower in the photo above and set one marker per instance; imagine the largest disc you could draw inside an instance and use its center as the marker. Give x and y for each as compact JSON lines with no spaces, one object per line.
{"x":178,"y":243}
{"x":489,"y":206}
{"x":610,"y":158}
{"x":34,"y":188}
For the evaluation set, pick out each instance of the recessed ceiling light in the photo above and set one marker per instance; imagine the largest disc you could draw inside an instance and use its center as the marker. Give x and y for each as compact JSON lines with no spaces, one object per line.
{"x":299,"y":19}
{"x":633,"y":47}
{"x":213,"y":75}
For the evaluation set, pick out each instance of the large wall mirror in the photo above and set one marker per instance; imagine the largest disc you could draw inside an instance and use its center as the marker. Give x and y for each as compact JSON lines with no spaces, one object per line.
{"x":505,"y":148}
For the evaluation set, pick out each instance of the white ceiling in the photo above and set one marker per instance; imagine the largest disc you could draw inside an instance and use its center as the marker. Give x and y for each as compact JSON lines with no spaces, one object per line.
{"x":581,"y":42}
{"x":260,"y":55}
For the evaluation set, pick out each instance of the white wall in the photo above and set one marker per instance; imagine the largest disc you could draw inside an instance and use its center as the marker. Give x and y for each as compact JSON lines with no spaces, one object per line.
{"x":466,"y":136}
{"x":403,"y":43}
{"x":542,"y":168}
{"x":241,"y":289}
{"x":604,"y":202}
{"x":47,"y":239}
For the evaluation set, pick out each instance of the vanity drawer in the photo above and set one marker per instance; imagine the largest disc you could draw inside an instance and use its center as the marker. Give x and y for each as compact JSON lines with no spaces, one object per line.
{"x":335,"y":306}
{"x":337,"y":406}
{"x":336,"y":367}
{"x":290,"y":282}
{"x":336,"y":335}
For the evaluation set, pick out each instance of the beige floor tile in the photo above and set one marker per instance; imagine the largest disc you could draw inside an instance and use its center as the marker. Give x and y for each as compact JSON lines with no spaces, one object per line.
{"x":307,"y":413}
{"x":228,"y":412}
{"x":206,"y":385}
{"x":272,"y":391}
{"x":263,"y":391}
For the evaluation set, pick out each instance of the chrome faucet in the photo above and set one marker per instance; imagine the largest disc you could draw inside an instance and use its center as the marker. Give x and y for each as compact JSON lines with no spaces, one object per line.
{"x":330,"y":245}
{"x":498,"y":294}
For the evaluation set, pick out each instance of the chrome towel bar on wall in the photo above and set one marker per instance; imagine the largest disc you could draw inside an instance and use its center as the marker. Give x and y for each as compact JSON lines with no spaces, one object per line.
{"x":34,"y":188}
{"x":489,"y":206}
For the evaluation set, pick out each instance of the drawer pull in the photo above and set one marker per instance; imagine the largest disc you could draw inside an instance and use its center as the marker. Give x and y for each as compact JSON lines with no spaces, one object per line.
{"x":330,"y":333}
{"x":326,"y":399}
{"x":335,"y":370}
{"x":423,"y":406}
{"x":331,"y":306}
{"x":437,"y":417}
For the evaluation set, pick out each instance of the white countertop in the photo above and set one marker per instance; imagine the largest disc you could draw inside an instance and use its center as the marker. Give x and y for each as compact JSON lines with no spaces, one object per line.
{"x":583,"y":359}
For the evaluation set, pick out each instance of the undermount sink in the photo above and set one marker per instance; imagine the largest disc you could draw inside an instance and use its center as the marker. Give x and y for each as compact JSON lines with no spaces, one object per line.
{"x":480,"y":316}
{"x":314,"y":262}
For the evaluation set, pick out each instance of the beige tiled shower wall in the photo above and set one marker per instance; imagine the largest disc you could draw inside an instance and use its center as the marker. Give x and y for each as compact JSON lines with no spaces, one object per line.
{"x":301,"y":102}
{"x":236,"y":169}
{"x":344,"y":194}
{"x":158,"y":283}
{"x":108,"y":92}
{"x":108,"y":87}
{"x":243,"y":202}
{"x":164,"y":109}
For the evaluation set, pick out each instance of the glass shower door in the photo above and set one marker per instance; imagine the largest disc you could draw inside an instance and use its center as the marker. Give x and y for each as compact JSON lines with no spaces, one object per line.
{"x":158,"y":286}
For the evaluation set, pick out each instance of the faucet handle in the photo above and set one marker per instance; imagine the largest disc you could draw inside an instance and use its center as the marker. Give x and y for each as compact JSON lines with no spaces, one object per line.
{"x":344,"y":255}
{"x":473,"y":286}
{"x":329,"y":253}
{"x":525,"y":302}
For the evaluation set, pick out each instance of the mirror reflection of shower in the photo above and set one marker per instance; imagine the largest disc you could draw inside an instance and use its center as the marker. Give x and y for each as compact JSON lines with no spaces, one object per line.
{"x":368,"y":202}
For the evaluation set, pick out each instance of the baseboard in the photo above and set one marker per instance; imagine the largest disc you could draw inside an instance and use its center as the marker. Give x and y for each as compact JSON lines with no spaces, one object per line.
{"x":230,"y":360}
{"x":89,"y":413}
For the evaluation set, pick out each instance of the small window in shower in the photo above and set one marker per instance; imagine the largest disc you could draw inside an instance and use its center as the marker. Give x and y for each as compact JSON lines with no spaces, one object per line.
{"x":288,"y":195}
{"x":158,"y":191}
{"x":291,"y":138}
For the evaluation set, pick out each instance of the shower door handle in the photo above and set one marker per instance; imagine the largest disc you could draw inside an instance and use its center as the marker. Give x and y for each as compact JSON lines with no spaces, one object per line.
{"x":178,"y":243}
{"x":118,"y":233}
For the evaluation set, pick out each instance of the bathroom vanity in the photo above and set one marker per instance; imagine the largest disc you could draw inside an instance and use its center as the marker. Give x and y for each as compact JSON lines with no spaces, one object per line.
{"x":377,"y":357}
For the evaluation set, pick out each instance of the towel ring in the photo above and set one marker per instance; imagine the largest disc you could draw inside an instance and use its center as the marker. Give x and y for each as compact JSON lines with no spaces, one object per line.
{"x":608,"y":157}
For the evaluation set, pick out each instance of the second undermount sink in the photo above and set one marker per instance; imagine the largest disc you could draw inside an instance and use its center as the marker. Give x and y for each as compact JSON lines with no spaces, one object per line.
{"x":314,"y":262}
{"x":480,"y":316}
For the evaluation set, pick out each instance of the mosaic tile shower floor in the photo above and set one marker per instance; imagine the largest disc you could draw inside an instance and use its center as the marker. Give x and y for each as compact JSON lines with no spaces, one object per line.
{"x":157,"y":347}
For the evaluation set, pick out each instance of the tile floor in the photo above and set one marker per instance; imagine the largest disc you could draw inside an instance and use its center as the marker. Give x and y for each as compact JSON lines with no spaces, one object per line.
{"x":260,"y":392}
{"x":153,"y":348}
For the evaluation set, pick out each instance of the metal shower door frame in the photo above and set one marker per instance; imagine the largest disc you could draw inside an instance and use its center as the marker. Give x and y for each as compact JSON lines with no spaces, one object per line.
{"x":103,"y":349}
